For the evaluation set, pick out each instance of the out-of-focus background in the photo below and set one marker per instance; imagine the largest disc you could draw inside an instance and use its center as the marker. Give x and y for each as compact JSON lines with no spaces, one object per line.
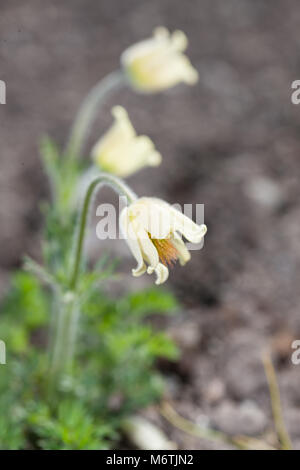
{"x":231,"y":142}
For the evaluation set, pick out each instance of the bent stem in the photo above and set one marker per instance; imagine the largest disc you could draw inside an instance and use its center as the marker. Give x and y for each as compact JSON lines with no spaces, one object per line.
{"x":103,"y":179}
{"x":68,"y":304}
{"x":87,"y":111}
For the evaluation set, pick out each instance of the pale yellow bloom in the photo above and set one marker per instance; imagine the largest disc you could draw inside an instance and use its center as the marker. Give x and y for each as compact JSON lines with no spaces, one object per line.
{"x":158,"y":63}
{"x":121,"y":151}
{"x":153,"y":228}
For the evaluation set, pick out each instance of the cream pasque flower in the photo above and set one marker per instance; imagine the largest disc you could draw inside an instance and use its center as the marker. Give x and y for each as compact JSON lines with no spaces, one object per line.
{"x":153,"y":229}
{"x":158,"y":63}
{"x":120,"y":151}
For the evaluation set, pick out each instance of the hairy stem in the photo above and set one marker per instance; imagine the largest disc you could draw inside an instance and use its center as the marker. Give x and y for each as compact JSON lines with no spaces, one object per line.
{"x":62,"y":347}
{"x":87,"y":111}
{"x":102,"y":179}
{"x":67,"y":305}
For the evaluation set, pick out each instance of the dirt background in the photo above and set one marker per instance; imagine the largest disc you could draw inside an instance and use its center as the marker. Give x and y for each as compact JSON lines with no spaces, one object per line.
{"x":231,"y":142}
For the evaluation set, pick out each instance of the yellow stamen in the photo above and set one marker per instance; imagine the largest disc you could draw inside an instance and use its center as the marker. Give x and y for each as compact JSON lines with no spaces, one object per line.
{"x":167,"y":252}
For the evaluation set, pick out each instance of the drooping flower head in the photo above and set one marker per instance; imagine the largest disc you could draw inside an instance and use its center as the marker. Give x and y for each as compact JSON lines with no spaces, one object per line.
{"x":121,"y":151}
{"x":158,"y":63}
{"x":153,"y":229}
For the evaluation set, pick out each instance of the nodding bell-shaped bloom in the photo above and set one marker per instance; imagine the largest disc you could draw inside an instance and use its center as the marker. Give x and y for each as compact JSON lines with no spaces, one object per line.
{"x":121,"y":151}
{"x":153,"y":229}
{"x":158,"y":63}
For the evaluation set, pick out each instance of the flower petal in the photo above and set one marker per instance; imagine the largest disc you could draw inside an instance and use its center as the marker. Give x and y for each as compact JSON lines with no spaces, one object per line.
{"x":149,"y":252}
{"x":136,"y":221}
{"x":161,"y":271}
{"x":191,"y":231}
{"x":183,"y":253}
{"x":132,"y":242}
{"x":179,"y":41}
{"x":122,"y":122}
{"x":153,"y":217}
{"x":142,"y":152}
{"x":162,"y":274}
{"x":120,"y":151}
{"x":159,"y":63}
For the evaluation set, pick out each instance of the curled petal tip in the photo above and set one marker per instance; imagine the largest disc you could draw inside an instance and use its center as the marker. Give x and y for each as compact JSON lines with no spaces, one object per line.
{"x":204,"y":229}
{"x":179,"y":40}
{"x":200,"y":233}
{"x":139,"y":271}
{"x":119,"y":112}
{"x":155,"y":159}
{"x":161,"y":32}
{"x":191,"y":75}
{"x":162,"y":274}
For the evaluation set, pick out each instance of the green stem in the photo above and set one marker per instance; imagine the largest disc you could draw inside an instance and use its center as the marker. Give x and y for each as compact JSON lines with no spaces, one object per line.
{"x":87,"y":111}
{"x":62,"y":347}
{"x":102,"y":179}
{"x":67,"y":306}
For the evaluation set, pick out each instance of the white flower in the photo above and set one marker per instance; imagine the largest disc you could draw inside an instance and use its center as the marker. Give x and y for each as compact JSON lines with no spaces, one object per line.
{"x":152,"y":229}
{"x":158,"y":63}
{"x":120,"y":151}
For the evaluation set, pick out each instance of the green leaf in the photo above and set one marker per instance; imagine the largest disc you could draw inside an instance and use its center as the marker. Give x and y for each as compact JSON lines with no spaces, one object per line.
{"x":152,"y":301}
{"x":74,"y":428}
{"x":26,"y":302}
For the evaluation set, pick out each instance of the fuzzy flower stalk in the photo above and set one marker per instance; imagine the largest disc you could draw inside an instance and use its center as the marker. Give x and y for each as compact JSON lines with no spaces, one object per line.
{"x":68,"y":303}
{"x":87,"y":112}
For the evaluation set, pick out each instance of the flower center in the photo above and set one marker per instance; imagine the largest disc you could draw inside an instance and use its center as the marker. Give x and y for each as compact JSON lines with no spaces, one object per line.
{"x":167,"y":252}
